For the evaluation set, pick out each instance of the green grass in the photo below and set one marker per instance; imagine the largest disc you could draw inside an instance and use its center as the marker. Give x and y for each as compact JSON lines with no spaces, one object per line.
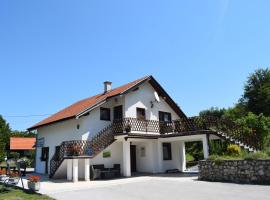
{"x":12,"y":193}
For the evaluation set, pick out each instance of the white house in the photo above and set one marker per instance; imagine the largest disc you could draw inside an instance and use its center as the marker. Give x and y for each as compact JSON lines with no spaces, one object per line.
{"x":136,"y":125}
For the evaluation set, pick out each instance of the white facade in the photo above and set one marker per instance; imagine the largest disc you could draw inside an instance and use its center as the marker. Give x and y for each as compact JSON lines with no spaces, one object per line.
{"x":149,"y":152}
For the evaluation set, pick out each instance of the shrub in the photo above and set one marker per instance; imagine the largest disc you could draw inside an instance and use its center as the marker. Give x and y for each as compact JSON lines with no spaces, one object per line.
{"x":27,"y":161}
{"x":189,"y":157}
{"x":267,"y":151}
{"x":256,"y":156}
{"x":233,"y":149}
{"x":14,"y":155}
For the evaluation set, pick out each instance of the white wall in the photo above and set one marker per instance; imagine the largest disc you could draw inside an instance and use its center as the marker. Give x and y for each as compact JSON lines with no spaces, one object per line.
{"x":145,"y":163}
{"x":141,"y":98}
{"x":116,"y":150}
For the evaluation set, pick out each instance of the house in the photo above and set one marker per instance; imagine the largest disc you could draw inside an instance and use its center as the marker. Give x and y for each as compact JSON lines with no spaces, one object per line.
{"x":22,"y":145}
{"x":137,"y":125}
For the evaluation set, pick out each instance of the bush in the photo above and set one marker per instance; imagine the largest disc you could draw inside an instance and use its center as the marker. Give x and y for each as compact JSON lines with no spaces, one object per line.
{"x":256,"y":156}
{"x":14,"y":155}
{"x":189,"y":157}
{"x":267,"y":151}
{"x":233,"y":150}
{"x":27,"y":161}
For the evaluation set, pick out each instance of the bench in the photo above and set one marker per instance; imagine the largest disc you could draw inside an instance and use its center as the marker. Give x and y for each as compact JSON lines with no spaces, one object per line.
{"x":100,"y":172}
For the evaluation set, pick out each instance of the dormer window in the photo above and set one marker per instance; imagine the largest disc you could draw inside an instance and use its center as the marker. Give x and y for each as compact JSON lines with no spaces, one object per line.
{"x":105,"y":114}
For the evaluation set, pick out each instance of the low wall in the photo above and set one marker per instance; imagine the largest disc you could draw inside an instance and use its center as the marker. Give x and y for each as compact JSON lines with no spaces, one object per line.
{"x":237,"y":171}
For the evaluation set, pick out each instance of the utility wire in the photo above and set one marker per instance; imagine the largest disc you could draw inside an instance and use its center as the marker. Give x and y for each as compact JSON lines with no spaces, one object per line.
{"x":25,"y":116}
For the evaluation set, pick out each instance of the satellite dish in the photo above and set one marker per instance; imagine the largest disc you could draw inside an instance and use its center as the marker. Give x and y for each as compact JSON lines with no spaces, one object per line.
{"x":156,"y":97}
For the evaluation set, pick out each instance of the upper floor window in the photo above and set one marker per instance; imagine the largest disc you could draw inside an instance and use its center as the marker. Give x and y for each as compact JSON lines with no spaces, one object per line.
{"x":118,"y":112}
{"x":105,"y":114}
{"x":165,"y":116}
{"x":141,"y":114}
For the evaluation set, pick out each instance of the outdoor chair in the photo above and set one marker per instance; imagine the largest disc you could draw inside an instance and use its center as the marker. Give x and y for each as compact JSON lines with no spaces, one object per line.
{"x":117,"y":170}
{"x":95,"y":172}
{"x":22,"y":165}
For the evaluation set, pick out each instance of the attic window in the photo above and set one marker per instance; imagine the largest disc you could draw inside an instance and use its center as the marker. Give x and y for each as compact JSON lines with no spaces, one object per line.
{"x":105,"y":114}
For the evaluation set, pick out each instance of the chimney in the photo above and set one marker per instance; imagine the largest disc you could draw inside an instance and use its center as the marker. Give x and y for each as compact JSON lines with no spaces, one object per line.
{"x":107,"y":86}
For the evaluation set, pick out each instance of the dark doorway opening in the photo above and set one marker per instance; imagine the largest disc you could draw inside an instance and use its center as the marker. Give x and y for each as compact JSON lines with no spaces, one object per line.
{"x":133,"y":163}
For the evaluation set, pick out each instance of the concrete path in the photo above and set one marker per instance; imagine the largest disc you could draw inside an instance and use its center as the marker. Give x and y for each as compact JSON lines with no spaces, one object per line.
{"x":159,"y":188}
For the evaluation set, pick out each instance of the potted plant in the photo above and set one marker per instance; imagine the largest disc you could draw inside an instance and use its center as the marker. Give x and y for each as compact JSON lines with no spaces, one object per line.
{"x":3,"y":175}
{"x":34,"y":183}
{"x":14,"y":177}
{"x":128,"y":128}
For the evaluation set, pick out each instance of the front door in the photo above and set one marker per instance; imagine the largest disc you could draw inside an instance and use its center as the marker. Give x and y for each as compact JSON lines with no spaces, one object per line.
{"x":45,"y":157}
{"x":133,"y":163}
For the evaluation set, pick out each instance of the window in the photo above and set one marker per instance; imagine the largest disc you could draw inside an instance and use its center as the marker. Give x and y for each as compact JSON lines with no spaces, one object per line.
{"x":44,"y":153}
{"x":165,"y":116}
{"x":118,"y":112}
{"x":141,"y":113}
{"x":167,"y":151}
{"x":105,"y":114}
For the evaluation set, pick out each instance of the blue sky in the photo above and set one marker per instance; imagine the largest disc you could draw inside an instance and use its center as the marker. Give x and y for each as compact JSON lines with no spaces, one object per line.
{"x":53,"y":53}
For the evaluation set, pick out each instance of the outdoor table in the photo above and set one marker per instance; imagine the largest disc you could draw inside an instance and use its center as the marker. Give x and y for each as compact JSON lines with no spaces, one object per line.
{"x":108,"y":173}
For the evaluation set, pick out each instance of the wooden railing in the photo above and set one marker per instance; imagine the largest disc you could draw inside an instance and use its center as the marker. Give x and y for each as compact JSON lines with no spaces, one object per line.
{"x":128,"y":125}
{"x":81,"y":148}
{"x":188,"y":125}
{"x":153,"y":126}
{"x":230,"y":129}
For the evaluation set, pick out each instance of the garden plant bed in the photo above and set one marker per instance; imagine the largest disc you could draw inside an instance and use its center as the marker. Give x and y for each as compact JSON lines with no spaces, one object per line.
{"x":237,"y":171}
{"x":11,"y":193}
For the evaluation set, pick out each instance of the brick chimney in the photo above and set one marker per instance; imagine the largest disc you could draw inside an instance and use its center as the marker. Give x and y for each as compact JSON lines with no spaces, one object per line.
{"x":107,"y":86}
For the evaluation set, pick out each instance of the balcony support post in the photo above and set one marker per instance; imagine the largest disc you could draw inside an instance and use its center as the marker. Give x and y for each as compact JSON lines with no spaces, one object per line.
{"x":87,"y":169}
{"x":126,"y":158}
{"x":69,"y":169}
{"x":75,"y":170}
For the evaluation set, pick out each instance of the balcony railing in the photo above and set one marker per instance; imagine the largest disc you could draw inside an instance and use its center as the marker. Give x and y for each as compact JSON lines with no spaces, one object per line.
{"x":129,"y":125}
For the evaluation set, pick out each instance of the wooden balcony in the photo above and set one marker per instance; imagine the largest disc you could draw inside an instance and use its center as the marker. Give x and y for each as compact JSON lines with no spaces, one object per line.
{"x":131,"y":125}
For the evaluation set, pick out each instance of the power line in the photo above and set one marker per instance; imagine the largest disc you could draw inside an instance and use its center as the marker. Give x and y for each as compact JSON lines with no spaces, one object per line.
{"x":25,"y":116}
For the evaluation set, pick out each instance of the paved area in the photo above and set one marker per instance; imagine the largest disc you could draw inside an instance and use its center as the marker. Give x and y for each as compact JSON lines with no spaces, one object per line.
{"x":156,"y":187}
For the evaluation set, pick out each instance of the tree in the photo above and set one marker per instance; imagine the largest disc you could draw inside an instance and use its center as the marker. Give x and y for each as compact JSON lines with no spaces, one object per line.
{"x":4,"y":137}
{"x":213,"y":112}
{"x":256,"y":96}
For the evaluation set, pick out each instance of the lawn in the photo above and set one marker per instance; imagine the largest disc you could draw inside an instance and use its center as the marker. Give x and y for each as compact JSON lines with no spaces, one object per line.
{"x":11,"y":193}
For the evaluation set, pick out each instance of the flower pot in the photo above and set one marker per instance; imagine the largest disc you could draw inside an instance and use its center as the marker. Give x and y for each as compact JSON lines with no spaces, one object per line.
{"x":34,"y":186}
{"x":3,"y":177}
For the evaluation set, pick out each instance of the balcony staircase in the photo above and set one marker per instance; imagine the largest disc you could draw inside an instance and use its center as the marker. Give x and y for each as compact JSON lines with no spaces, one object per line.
{"x":81,"y":148}
{"x":228,"y":130}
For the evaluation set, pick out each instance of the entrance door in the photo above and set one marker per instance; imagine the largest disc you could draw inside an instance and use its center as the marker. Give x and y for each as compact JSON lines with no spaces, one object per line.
{"x":133,"y":163}
{"x":45,"y":157}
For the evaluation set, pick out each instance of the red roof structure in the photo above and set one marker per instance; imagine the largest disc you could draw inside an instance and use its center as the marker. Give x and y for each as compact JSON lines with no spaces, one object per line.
{"x":22,"y":143}
{"x":81,"y":106}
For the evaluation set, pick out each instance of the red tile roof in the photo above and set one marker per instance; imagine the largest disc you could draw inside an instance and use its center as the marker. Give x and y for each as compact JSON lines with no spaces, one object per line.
{"x":22,"y":143}
{"x":80,"y":106}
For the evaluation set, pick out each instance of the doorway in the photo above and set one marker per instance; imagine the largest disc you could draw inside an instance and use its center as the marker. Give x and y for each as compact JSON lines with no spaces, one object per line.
{"x":133,"y":163}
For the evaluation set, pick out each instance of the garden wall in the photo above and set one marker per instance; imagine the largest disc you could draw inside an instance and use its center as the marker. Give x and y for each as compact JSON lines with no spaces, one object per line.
{"x":237,"y":171}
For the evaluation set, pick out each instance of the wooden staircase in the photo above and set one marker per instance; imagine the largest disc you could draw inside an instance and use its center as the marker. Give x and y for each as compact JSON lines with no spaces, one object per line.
{"x":85,"y":148}
{"x":228,"y":130}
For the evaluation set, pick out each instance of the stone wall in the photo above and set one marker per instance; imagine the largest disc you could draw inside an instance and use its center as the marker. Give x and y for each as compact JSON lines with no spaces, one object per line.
{"x":237,"y":171}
